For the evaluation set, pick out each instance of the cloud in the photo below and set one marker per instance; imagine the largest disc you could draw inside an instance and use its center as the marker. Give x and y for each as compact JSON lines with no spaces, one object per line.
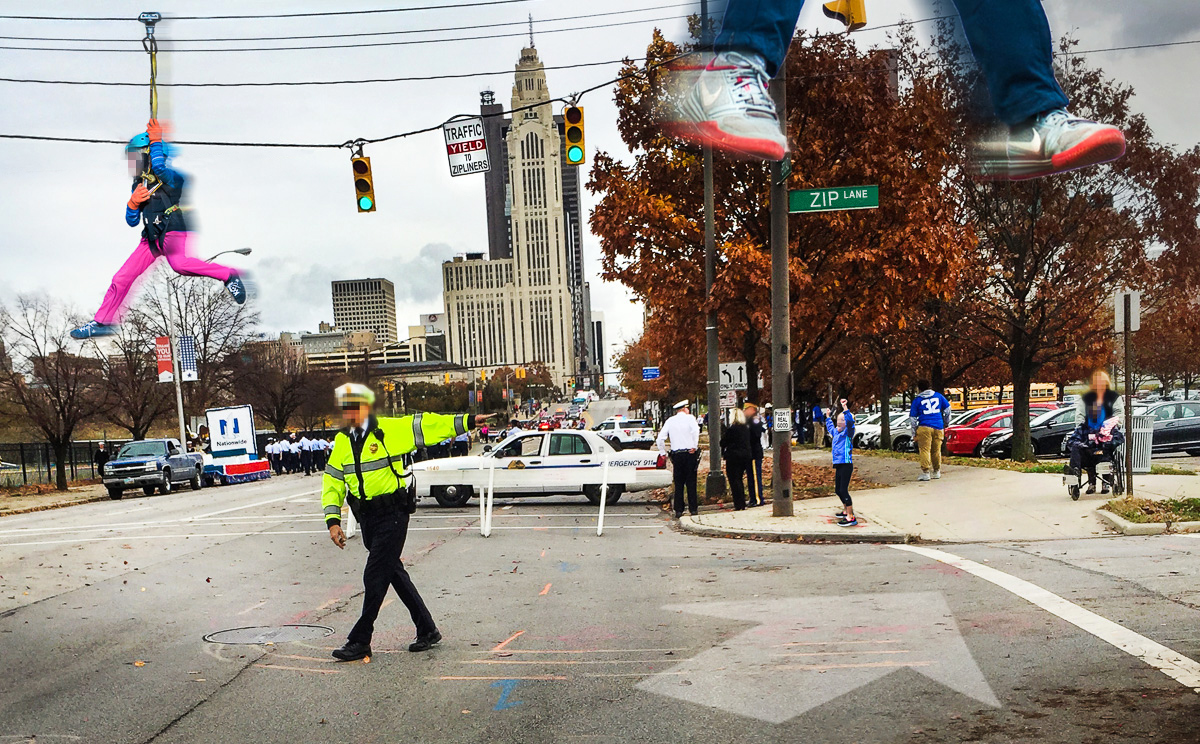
{"x":294,"y":296}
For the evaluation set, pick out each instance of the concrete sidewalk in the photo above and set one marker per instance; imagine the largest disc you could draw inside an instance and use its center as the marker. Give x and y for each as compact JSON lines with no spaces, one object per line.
{"x":966,"y":505}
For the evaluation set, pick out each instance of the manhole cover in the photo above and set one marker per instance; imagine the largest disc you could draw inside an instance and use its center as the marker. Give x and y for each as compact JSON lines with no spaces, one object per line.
{"x":263,"y":634}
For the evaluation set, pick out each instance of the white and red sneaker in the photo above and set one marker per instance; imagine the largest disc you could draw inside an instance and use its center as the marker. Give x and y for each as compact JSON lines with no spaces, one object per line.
{"x":723,"y":101}
{"x":1055,"y":142}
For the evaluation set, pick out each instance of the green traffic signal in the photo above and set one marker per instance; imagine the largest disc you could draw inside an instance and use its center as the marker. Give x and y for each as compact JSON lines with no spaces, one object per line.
{"x":365,"y":204}
{"x":574,"y":154}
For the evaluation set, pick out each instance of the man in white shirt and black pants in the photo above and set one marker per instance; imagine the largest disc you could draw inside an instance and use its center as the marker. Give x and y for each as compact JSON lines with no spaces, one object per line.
{"x":684,"y":433}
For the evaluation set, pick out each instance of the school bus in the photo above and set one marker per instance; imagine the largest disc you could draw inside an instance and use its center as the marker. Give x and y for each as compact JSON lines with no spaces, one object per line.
{"x":1039,"y":392}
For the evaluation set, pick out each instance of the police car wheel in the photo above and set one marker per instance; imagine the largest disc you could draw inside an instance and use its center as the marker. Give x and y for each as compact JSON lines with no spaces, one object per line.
{"x":452,"y":496}
{"x":593,"y":495}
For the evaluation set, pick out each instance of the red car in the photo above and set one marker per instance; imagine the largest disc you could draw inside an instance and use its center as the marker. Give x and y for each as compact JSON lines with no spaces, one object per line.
{"x":964,"y":438}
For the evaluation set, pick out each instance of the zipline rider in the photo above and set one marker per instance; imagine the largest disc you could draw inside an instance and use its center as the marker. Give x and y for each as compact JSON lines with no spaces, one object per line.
{"x":367,"y":465}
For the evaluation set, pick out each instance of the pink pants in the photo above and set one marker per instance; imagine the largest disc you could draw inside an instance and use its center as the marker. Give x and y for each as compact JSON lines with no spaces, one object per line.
{"x":174,"y":247}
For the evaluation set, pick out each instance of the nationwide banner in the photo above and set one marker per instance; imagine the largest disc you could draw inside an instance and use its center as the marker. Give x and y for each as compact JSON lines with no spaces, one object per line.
{"x":187,"y":359}
{"x":162,"y":351}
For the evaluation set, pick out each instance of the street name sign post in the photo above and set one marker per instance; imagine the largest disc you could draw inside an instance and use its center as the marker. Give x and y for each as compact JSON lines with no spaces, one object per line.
{"x":650,"y":373}
{"x":833,"y":199}
{"x":466,"y":146}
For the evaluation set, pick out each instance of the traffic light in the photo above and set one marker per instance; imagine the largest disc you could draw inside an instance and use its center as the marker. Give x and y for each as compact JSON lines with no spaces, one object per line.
{"x":483,"y":375}
{"x":364,"y":185}
{"x":520,"y":373}
{"x":573,"y":115}
{"x":852,"y":13}
{"x":446,"y":378}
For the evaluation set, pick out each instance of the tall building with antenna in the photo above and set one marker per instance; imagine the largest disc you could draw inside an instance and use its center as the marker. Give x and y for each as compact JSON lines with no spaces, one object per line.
{"x":528,"y":300}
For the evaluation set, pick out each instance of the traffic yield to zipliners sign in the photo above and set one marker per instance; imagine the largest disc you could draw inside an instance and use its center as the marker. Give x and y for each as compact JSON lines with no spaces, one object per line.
{"x":466,"y":146}
{"x":833,"y":199}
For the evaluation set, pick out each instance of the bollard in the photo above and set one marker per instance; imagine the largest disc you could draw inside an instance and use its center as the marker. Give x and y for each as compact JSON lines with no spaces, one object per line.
{"x":485,"y":503}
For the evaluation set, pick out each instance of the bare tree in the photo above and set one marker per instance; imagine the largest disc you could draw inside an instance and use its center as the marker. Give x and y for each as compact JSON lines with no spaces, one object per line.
{"x":274,"y":379}
{"x":135,"y":399}
{"x":53,"y":388}
{"x":202,"y":309}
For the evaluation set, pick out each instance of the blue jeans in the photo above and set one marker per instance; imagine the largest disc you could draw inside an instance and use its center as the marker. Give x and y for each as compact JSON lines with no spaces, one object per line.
{"x":1010,"y":39}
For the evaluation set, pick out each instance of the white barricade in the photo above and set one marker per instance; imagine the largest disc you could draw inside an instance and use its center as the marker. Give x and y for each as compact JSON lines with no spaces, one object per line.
{"x":603,"y":492}
{"x":486,"y":501}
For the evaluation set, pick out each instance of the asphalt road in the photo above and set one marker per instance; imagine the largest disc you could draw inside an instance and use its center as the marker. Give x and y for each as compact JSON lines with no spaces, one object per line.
{"x":556,"y":635}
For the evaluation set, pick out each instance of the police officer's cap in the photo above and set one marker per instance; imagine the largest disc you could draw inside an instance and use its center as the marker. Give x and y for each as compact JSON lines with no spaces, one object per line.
{"x":681,"y":404}
{"x":353,"y":392}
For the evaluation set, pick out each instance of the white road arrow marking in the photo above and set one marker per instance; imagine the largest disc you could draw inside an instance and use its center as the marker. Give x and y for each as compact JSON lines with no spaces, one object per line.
{"x":818,"y":649}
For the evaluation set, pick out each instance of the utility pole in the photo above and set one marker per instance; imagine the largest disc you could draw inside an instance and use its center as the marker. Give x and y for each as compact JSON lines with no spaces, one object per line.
{"x":1127,"y":331}
{"x":715,"y":484}
{"x":781,"y":336}
{"x":172,"y":330}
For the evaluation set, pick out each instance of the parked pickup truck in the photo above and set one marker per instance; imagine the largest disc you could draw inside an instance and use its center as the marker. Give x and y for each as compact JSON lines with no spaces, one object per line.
{"x":150,"y":464}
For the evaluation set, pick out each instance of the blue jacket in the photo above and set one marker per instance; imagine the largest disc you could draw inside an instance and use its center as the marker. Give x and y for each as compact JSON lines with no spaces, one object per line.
{"x":170,"y":194}
{"x":930,"y":409}
{"x":843,"y":441}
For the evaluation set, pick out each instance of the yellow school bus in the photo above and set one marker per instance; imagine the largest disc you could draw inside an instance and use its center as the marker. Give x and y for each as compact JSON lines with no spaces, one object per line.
{"x":1039,"y":392}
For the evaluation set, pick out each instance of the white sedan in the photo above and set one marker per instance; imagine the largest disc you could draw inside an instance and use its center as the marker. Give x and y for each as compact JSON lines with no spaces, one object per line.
{"x":542,"y":463}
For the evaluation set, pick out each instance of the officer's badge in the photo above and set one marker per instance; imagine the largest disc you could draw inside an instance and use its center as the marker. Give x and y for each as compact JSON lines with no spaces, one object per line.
{"x":374,"y":447}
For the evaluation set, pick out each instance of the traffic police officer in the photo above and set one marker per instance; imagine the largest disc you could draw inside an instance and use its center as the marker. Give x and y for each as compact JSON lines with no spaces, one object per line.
{"x":367,"y":466}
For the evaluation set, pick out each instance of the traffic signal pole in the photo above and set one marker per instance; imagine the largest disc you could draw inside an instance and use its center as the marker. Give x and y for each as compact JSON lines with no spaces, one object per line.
{"x":781,"y":330}
{"x":715,"y":484}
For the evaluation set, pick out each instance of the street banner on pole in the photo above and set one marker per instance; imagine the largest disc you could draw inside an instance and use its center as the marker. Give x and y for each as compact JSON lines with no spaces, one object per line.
{"x":162,"y":351}
{"x":466,"y":146}
{"x":187,"y":359}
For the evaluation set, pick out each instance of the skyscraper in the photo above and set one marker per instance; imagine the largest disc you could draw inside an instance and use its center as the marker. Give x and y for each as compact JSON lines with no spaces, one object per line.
{"x":366,"y":305}
{"x":498,"y":189}
{"x":519,"y":305}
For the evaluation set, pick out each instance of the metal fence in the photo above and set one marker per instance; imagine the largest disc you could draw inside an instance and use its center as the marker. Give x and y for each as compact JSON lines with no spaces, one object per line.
{"x":23,"y":463}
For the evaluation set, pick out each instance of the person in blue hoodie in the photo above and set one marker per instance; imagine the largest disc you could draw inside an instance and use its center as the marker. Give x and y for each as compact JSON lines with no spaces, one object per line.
{"x":841,"y":435}
{"x":929,"y":414}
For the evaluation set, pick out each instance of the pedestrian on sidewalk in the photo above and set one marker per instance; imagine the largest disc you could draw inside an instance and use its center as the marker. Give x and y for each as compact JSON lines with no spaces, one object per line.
{"x":928,"y":416}
{"x":684,"y":435}
{"x":841,"y":435}
{"x":757,"y":431}
{"x":739,"y":458}
{"x":818,"y":425}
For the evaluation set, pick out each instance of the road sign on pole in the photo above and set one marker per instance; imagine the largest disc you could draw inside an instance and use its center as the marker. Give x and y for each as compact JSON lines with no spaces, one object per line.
{"x":1135,"y":309}
{"x":728,"y":399}
{"x":466,"y":146}
{"x":835,"y":199}
{"x":733,"y":376}
{"x":650,"y":373}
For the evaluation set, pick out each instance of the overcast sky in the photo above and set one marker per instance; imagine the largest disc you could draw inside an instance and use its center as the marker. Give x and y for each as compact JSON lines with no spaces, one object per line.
{"x":61,"y":205}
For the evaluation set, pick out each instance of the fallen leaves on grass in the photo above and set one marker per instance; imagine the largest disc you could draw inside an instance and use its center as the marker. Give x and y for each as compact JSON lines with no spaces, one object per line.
{"x":1147,"y":510}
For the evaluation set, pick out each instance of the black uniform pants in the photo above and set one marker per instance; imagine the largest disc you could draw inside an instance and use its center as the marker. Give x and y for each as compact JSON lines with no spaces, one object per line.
{"x":318,"y":460}
{"x":277,"y":463}
{"x":737,"y":470}
{"x":684,"y":464}
{"x":383,"y":534}
{"x":306,"y":460}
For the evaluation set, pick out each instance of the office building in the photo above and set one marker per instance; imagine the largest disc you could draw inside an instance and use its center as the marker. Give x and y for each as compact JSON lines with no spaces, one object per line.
{"x":366,"y":305}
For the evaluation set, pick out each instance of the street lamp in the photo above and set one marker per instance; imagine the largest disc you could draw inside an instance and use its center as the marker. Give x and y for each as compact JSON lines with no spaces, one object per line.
{"x":172,"y":340}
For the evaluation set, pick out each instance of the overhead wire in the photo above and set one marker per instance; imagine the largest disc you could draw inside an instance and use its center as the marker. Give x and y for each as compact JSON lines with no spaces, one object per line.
{"x":362,"y":45}
{"x":315,"y":14}
{"x":358,"y":34}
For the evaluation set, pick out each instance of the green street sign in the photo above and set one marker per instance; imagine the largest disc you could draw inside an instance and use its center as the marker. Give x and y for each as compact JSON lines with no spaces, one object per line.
{"x":833,"y":199}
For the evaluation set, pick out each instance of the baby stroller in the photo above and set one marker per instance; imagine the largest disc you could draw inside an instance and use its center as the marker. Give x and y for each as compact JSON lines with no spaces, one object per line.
{"x":1099,"y":453}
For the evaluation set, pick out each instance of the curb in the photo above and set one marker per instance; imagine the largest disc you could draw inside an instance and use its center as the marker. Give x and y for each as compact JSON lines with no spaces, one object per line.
{"x":48,"y":507}
{"x":1125,"y":527}
{"x":850,"y":536}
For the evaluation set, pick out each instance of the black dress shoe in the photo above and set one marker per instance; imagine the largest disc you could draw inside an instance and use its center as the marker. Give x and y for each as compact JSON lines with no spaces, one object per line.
{"x":425,"y":642}
{"x":352,"y":651}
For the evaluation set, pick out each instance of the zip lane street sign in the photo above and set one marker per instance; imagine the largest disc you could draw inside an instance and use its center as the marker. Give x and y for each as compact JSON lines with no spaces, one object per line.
{"x":834,"y":199}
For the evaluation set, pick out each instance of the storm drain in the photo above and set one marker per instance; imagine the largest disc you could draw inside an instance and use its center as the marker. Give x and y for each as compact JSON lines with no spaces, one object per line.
{"x":264,"y":634}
